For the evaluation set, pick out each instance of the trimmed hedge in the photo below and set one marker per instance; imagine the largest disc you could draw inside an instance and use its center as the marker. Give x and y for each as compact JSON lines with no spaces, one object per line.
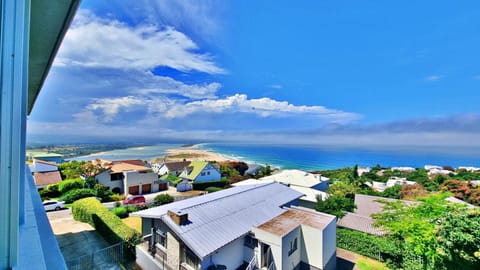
{"x":76,"y":194}
{"x":376,"y":247}
{"x":120,"y":212}
{"x":162,"y":199}
{"x":213,"y":189}
{"x":110,"y":226}
{"x":204,"y":185}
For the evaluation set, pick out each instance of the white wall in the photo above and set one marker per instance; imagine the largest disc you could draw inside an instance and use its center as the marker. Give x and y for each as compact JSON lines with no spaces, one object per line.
{"x":289,"y":262}
{"x":104,"y":179}
{"x":230,"y":255}
{"x":275,"y":243}
{"x":312,"y":246}
{"x":330,"y":245}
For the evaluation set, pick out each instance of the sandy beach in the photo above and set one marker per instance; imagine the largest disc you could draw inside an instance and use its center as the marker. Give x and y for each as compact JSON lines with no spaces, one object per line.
{"x":188,"y":153}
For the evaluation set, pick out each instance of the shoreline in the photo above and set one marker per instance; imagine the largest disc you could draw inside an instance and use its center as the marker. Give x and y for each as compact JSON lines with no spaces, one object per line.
{"x":192,"y":154}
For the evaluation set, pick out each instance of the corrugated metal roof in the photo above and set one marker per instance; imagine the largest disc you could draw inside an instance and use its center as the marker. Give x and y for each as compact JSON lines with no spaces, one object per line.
{"x":218,"y":218}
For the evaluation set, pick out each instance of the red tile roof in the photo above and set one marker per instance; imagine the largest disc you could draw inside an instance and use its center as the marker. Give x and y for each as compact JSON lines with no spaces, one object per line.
{"x":47,"y":178}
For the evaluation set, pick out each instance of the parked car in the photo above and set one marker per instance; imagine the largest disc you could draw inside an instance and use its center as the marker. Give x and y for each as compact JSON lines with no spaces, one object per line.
{"x":53,"y":205}
{"x":134,"y":199}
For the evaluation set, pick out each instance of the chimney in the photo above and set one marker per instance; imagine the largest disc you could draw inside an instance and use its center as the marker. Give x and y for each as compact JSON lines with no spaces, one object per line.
{"x":179,"y":217}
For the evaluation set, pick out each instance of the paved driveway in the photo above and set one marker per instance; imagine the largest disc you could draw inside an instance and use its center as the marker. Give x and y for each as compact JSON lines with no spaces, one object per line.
{"x":74,"y":238}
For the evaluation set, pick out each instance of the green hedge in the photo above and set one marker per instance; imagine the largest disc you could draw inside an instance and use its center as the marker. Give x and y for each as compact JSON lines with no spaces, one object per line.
{"x":376,"y":247}
{"x":106,"y":223}
{"x":213,"y":189}
{"x":204,"y":185}
{"x":76,"y":194}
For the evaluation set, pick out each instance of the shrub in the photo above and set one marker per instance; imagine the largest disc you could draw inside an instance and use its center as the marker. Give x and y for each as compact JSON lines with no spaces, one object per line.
{"x":376,"y":247}
{"x":103,"y":192}
{"x":77,"y":194}
{"x":120,"y":212}
{"x":50,"y":192}
{"x":213,"y":189}
{"x":117,"y":197}
{"x":162,"y":199}
{"x":203,"y":185}
{"x":67,"y":185}
{"x":110,"y":226}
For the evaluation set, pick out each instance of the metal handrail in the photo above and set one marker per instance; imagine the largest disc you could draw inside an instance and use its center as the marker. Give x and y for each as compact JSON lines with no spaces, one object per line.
{"x":252,"y":264}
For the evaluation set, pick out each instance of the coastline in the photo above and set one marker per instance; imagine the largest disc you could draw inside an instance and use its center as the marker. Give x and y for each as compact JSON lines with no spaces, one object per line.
{"x":192,"y":154}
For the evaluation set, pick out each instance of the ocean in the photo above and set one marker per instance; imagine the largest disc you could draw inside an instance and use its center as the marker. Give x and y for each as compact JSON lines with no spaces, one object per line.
{"x":309,"y":157}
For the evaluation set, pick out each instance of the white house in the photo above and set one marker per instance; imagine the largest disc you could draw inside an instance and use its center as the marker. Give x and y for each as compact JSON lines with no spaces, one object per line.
{"x":127,"y":178}
{"x":173,"y":168}
{"x":403,"y":169}
{"x":311,"y":185}
{"x":392,"y":181}
{"x":253,"y":225}
{"x":201,"y":171}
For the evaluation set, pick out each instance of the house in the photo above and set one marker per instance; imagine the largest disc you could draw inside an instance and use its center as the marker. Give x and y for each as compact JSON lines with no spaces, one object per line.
{"x":173,"y":168}
{"x":311,"y":185}
{"x":300,"y":178}
{"x":201,"y":171}
{"x":362,"y":170}
{"x":392,"y":181}
{"x":403,"y":169}
{"x":256,"y":225}
{"x":44,"y":173}
{"x":31,"y":33}
{"x":46,"y":156}
{"x":128,"y":178}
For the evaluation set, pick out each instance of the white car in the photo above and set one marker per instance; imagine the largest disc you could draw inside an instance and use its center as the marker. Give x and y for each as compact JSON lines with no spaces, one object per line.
{"x":53,"y":205}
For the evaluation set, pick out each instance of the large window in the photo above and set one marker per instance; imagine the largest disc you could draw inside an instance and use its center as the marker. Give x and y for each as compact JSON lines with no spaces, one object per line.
{"x":116,"y":176}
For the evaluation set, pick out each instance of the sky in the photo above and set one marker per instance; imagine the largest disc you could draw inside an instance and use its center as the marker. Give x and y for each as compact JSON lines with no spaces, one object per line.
{"x":369,"y":73}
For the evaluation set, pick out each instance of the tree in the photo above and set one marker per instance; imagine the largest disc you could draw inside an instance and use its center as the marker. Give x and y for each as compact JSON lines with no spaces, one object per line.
{"x":420,"y":176}
{"x":412,"y":192}
{"x":416,"y":228}
{"x":72,"y":169}
{"x":475,"y":197}
{"x":89,"y":169}
{"x":335,"y":205}
{"x":458,"y":188}
{"x":355,"y":172}
{"x":392,"y":192}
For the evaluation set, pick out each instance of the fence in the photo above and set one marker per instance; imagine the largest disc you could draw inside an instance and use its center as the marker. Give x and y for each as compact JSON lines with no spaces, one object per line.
{"x":107,"y":258}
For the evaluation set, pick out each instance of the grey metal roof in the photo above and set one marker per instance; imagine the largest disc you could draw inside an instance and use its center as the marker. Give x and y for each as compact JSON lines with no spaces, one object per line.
{"x":218,"y":218}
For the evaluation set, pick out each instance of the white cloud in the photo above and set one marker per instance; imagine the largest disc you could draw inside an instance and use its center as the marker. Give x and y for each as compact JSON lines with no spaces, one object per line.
{"x":276,"y":86}
{"x":433,"y":78}
{"x":99,"y":42}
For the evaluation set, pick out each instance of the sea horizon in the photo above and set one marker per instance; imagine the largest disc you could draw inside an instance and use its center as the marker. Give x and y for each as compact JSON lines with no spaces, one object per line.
{"x":311,"y":157}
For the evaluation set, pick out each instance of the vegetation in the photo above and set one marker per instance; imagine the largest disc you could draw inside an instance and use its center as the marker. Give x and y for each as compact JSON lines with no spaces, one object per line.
{"x":67,"y":185}
{"x":433,"y":234}
{"x":203,"y":185}
{"x":335,"y":205}
{"x":213,"y":189}
{"x":50,"y":192}
{"x":134,"y":223}
{"x":76,"y":194}
{"x":162,"y":199}
{"x":111,"y":227}
{"x":120,"y":212}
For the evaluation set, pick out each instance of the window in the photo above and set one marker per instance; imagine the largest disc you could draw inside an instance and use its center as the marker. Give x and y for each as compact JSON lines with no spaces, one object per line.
{"x":116,"y":176}
{"x":203,"y":173}
{"x":161,"y":238}
{"x":250,"y":241}
{"x":189,"y":258}
{"x":208,"y":173}
{"x":293,"y":246}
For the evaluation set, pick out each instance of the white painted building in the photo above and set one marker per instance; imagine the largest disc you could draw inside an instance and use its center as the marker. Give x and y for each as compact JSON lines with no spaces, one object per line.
{"x":403,"y":169}
{"x":125,"y":178}
{"x":256,"y":225}
{"x":173,"y":168}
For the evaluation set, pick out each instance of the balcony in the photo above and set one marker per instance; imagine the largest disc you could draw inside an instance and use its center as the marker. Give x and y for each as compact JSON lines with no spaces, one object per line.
{"x":37,"y":244}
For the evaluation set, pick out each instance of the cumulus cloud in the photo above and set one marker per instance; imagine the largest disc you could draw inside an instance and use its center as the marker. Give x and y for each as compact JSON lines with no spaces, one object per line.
{"x":98,"y":42}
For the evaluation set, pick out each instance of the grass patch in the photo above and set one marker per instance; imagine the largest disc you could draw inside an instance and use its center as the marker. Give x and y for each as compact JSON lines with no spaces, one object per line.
{"x":134,"y":223}
{"x":368,"y":264}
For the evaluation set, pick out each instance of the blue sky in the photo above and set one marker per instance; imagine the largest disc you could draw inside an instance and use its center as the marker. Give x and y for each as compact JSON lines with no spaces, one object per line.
{"x":327,"y":72}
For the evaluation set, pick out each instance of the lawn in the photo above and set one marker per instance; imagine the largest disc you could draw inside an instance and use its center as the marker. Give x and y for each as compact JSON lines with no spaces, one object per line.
{"x":134,"y":223}
{"x":368,"y":264}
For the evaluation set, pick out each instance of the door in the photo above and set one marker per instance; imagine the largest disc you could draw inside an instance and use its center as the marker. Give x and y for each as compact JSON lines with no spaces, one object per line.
{"x":133,"y":190}
{"x":146,"y":188}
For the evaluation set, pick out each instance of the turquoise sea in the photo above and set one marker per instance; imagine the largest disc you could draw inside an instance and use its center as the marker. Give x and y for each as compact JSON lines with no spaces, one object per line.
{"x":309,"y":157}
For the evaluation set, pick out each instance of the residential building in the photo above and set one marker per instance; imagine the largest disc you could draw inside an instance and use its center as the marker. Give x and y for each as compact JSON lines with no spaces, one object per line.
{"x":362,"y":170}
{"x":392,"y":181}
{"x":43,"y":179}
{"x":38,"y":165}
{"x":256,"y":225}
{"x":30,"y":35}
{"x":46,"y":156}
{"x":128,"y":178}
{"x":312,"y":186}
{"x":173,"y":167}
{"x":201,"y":171}
{"x":403,"y":169}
